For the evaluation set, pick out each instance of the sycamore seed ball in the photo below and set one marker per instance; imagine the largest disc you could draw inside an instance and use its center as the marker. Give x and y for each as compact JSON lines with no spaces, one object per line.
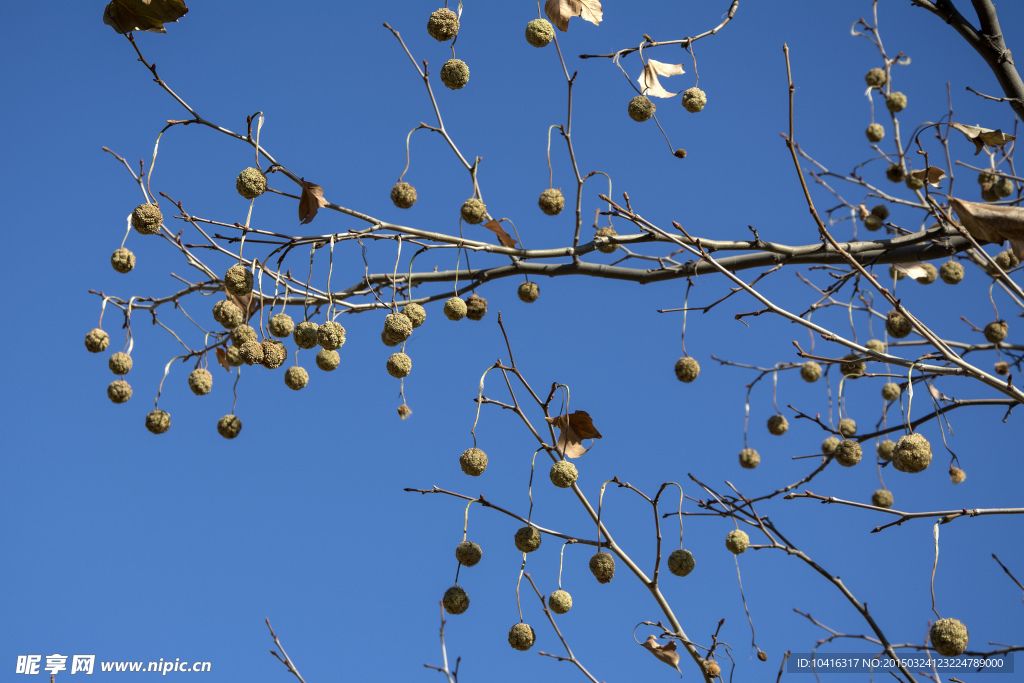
{"x":957,"y":475}
{"x":119,"y":391}
{"x":521,"y":637}
{"x":712,"y":667}
{"x":388,"y":339}
{"x":882,"y":498}
{"x":890,"y":391}
{"x":749,"y":458}
{"x":1003,"y":187}
{"x":875,"y":132}
{"x":403,"y":195}
{"x":296,"y":378}
{"x":397,"y":326}
{"x":528,"y":292}
{"x":681,"y":562}
{"x":528,"y":539}
{"x":281,"y":325}
{"x":737,"y":541}
{"x":810,"y":371}
{"x":847,"y":427}
{"x":229,"y":426}
{"x":476,"y":307}
{"x":694,"y":100}
{"x":885,"y":449}
{"x":1002,"y":368}
{"x":687,"y":369}
{"x":251,"y":183}
{"x":274,"y":354}
{"x":232,"y":357}
{"x":200,"y":381}
{"x":931,"y":274}
{"x":912,"y":454}
{"x":606,"y":232}
{"x":330,"y":336}
{"x":120,"y":363}
{"x":563,"y":474}
{"x":602,"y":566}
{"x":468,"y":553}
{"x":238,"y":280}
{"x":327,"y":360}
{"x":158,"y":421}
{"x":949,"y":637}
{"x":96,"y":340}
{"x":560,"y":601}
{"x":1006,"y":260}
{"x":951,"y":272}
{"x":415,"y":313}
{"x":305,"y":334}
{"x":551,"y":201}
{"x":989,"y":193}
{"x":897,"y":325}
{"x":539,"y":32}
{"x":455,"y":74}
{"x":473,"y":211}
{"x":895,"y":273}
{"x":399,"y":365}
{"x":895,"y":173}
{"x":876,"y":345}
{"x":251,"y":352}
{"x":875,"y":78}
{"x":242,"y":334}
{"x":829,"y":445}
{"x":443,"y":25}
{"x":455,"y":600}
{"x":913,"y":182}
{"x":455,"y":308}
{"x":880,"y":210}
{"x":996,"y":332}
{"x":640,"y":108}
{"x":853,"y":365}
{"x":473,"y":461}
{"x":873,"y":222}
{"x":778,"y":425}
{"x":896,"y":102}
{"x":123,"y":260}
{"x":848,"y":453}
{"x":146,"y":219}
{"x":228,"y":314}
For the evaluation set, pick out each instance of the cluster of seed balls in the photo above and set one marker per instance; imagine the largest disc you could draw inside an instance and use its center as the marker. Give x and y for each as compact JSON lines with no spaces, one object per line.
{"x":641,"y":109}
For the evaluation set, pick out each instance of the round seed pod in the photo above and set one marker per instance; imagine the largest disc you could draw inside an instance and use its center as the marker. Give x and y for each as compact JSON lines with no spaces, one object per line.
{"x":602,"y":566}
{"x":951,"y":272}
{"x":1003,"y":187}
{"x":1006,"y":260}
{"x":551,"y":201}
{"x":251,"y":183}
{"x":875,"y":132}
{"x":897,"y":325}
{"x":229,"y":426}
{"x":712,"y":668}
{"x":885,"y":449}
{"x":228,"y":314}
{"x":327,"y":360}
{"x":330,"y":336}
{"x":146,"y":219}
{"x":455,"y":600}
{"x":473,"y":211}
{"x":242,"y":334}
{"x":455,"y":74}
{"x":778,"y":425}
{"x":305,"y":334}
{"x":200,"y":381}
{"x":232,"y":357}
{"x":873,"y":222}
{"x":882,"y":499}
{"x":158,"y":421}
{"x":122,"y":260}
{"x":397,"y":326}
{"x":606,"y":232}
{"x":296,"y":378}
{"x":996,"y":332}
{"x":949,"y":637}
{"x":539,"y":33}
{"x":679,"y":153}
{"x":274,"y":354}
{"x":986,"y":178}
{"x":455,"y":308}
{"x":528,"y":292}
{"x":876,"y":345}
{"x":829,"y":445}
{"x":694,"y":100}
{"x":912,"y":454}
{"x":896,"y":102}
{"x":281,"y":325}
{"x":388,"y":339}
{"x":640,"y":108}
{"x":810,"y":371}
{"x":399,"y":365}
{"x":563,"y":474}
{"x":473,"y":461}
{"x":749,"y":458}
{"x":875,"y":78}
{"x":989,"y":194}
{"x":468,"y":553}
{"x":120,"y":363}
{"x":560,"y":601}
{"x":476,"y":307}
{"x":913,"y":182}
{"x":251,"y":352}
{"x":880,"y":210}
{"x":681,"y":562}
{"x":119,"y":391}
{"x":737,"y":541}
{"x":415,"y":313}
{"x":687,"y":369}
{"x":931,"y":274}
{"x":895,"y":173}
{"x":443,"y":25}
{"x":96,"y":340}
{"x":853,"y":365}
{"x":521,"y":637}
{"x":1002,"y":368}
{"x":528,"y":539}
{"x":848,"y":453}
{"x":957,"y":475}
{"x":847,"y":427}
{"x":403,"y":195}
{"x":238,"y":280}
{"x":891,"y":391}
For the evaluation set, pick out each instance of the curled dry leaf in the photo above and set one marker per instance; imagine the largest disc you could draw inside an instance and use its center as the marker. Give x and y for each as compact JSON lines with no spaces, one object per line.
{"x":125,"y":16}
{"x":666,"y":653}
{"x":310,"y":202}
{"x":572,"y":430}
{"x":648,"y":80}
{"x":983,"y":136}
{"x":503,"y":237}
{"x":992,"y":223}
{"x":222,"y":359}
{"x":560,"y":11}
{"x":933,"y":175}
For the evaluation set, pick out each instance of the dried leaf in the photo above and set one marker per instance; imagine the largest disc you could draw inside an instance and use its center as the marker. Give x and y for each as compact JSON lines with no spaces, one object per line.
{"x":666,"y":653}
{"x":125,"y":16}
{"x":648,"y":80}
{"x":983,"y":136}
{"x":560,"y":11}
{"x":222,"y":358}
{"x":933,"y":175}
{"x":572,"y":429}
{"x":992,"y":223}
{"x":310,"y":202}
{"x":248,"y":303}
{"x":913,"y":272}
{"x":503,"y":237}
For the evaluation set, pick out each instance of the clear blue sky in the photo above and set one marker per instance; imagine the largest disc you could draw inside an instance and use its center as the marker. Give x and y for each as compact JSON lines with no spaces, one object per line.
{"x":129,"y":546}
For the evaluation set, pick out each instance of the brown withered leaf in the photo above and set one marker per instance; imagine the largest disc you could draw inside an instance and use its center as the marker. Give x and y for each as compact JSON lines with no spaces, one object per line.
{"x":125,"y":16}
{"x":666,"y":653}
{"x":572,"y":430}
{"x":648,"y":80}
{"x":310,"y":202}
{"x":560,"y":11}
{"x":503,"y":237}
{"x":992,"y":223}
{"x":933,"y":175}
{"x":222,"y":358}
{"x":983,"y":136}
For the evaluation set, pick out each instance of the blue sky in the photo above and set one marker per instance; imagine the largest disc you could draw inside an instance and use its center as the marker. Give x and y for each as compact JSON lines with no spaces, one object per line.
{"x":129,"y":546}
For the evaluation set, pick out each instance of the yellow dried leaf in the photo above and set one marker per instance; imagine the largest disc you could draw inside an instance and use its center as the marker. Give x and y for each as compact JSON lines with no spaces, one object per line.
{"x":983,"y":136}
{"x":933,"y":175}
{"x":648,"y":80}
{"x":560,"y":11}
{"x":572,"y":430}
{"x":666,"y":653}
{"x":310,"y":202}
{"x":992,"y":223}
{"x":125,"y":16}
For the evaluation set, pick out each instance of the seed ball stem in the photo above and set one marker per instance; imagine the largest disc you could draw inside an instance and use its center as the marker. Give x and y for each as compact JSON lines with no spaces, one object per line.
{"x":96,"y":341}
{"x":687,"y":369}
{"x":468,"y":553}
{"x":455,"y":74}
{"x":455,"y":600}
{"x":296,"y":378}
{"x":399,"y":365}
{"x":737,"y":541}
{"x":681,"y":562}
{"x":251,"y":183}
{"x":602,"y":566}
{"x":521,"y":637}
{"x":473,"y":461}
{"x":640,"y":108}
{"x":158,"y":421}
{"x":560,"y":601}
{"x":229,"y":426}
{"x":403,"y":195}
{"x":551,"y":201}
{"x":122,"y":260}
{"x":200,"y":381}
{"x":528,"y":292}
{"x":694,"y":100}
{"x":563,"y":474}
{"x":539,"y":32}
{"x":527,"y":539}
